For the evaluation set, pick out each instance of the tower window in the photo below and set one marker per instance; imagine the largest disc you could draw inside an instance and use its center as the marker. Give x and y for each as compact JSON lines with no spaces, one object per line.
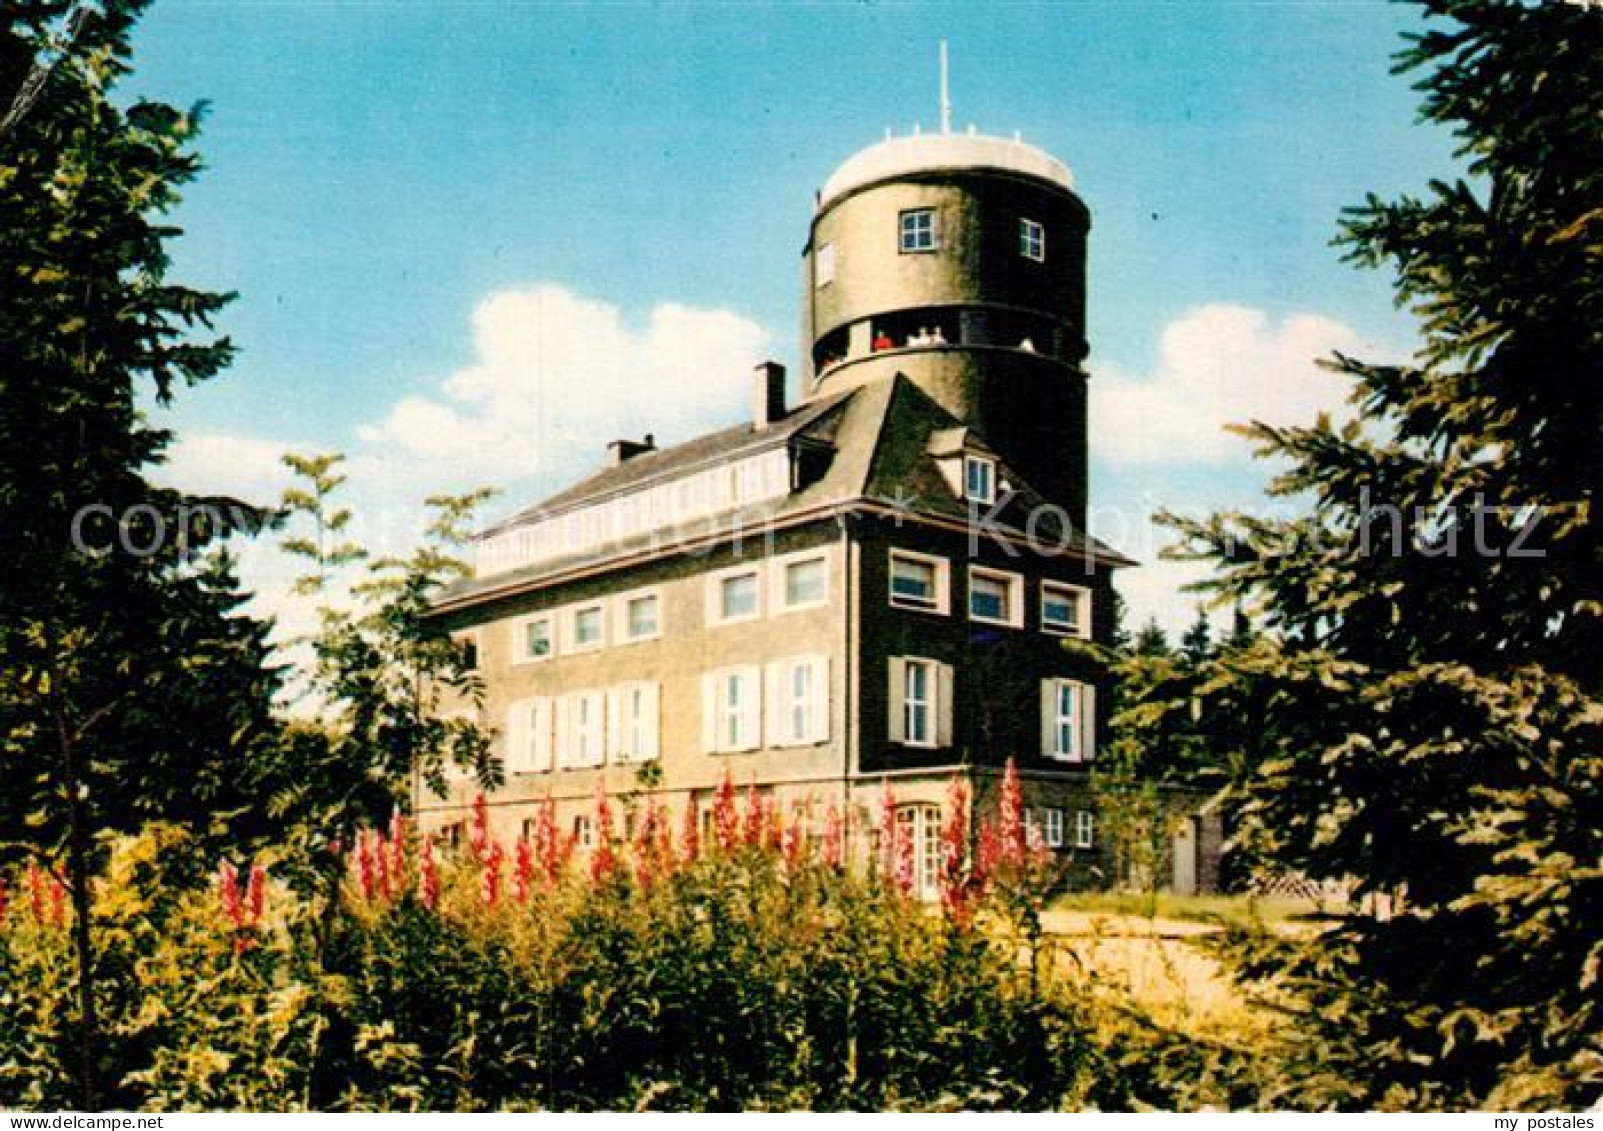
{"x":824,"y":265}
{"x":1032,"y":239}
{"x":918,"y":230}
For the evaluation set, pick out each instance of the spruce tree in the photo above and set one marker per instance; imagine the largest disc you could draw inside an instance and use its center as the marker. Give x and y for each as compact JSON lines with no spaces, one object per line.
{"x":1428,"y":722}
{"x":130,"y":686}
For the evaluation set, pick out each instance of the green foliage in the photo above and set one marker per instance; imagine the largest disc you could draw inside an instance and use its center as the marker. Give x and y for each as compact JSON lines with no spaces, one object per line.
{"x":380,"y":669}
{"x":131,"y":689}
{"x":752,"y":976}
{"x":1426,"y":699}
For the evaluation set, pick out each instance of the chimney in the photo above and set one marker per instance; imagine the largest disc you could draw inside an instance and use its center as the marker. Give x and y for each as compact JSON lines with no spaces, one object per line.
{"x":768,"y":394}
{"x":622,"y":451}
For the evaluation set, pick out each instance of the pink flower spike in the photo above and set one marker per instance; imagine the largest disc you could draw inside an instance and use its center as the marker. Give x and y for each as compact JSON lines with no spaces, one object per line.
{"x":428,"y":877}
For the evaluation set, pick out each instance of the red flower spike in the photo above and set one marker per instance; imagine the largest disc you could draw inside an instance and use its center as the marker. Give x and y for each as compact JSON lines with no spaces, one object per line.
{"x":1013,"y":840}
{"x":725,"y":821}
{"x":690,"y":832}
{"x":428,"y":876}
{"x":833,"y":849}
{"x":490,"y":875}
{"x":522,"y":871}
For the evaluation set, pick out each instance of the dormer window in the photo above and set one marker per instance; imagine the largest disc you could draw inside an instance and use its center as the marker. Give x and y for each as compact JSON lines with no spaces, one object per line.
{"x":918,"y":230}
{"x":979,"y":479}
{"x":1032,"y":239}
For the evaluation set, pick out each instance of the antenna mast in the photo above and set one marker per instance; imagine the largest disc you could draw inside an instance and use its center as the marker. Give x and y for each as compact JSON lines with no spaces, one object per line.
{"x":946,"y":100}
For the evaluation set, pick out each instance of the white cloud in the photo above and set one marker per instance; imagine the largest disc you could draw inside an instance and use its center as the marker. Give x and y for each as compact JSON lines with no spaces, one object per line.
{"x":1217,"y":365}
{"x":554,"y":377}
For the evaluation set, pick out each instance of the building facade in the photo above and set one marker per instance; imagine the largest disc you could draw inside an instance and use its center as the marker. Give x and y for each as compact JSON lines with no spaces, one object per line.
{"x":883,"y":582}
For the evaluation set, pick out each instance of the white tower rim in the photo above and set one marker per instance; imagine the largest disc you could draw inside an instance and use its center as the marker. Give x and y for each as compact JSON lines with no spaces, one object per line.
{"x":923,"y":153}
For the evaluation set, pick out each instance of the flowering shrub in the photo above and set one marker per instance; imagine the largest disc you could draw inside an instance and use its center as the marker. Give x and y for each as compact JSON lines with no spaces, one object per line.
{"x":754,"y":967}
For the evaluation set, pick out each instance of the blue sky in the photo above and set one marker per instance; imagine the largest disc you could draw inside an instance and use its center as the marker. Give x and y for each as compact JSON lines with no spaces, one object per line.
{"x":433,"y":211}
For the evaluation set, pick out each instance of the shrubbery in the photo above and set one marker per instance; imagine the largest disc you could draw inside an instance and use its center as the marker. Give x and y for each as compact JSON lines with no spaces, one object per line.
{"x":755,"y":968}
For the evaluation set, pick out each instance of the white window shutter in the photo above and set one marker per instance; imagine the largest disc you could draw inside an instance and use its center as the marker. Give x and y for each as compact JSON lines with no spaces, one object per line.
{"x":1087,"y":722}
{"x":709,"y":711}
{"x":598,"y":723}
{"x":652,"y":728}
{"x":896,"y":701}
{"x":564,"y":725}
{"x":617,"y":740}
{"x":818,"y":712}
{"x":945,"y":685}
{"x":540,"y":746}
{"x":517,"y":736}
{"x":751,"y":707}
{"x":1049,"y":718}
{"x":775,"y":699}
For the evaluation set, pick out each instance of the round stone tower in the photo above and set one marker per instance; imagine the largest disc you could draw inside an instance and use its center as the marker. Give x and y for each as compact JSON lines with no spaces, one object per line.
{"x":958,"y":260}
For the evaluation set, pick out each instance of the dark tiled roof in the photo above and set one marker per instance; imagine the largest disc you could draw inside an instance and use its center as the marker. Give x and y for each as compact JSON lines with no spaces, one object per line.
{"x":714,"y":447}
{"x":880,"y":435}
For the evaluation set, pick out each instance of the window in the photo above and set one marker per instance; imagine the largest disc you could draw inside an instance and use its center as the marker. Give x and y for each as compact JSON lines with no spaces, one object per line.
{"x":535,"y":639}
{"x":640,"y":617}
{"x":529,"y":727}
{"x":467,"y":649}
{"x":1064,"y":609}
{"x":919,"y":702}
{"x":1066,"y":720}
{"x":584,"y":832}
{"x":804,"y":583}
{"x":1084,"y":829}
{"x":588,"y":627}
{"x":1052,"y":826}
{"x":731,"y":706}
{"x":734,"y":596}
{"x":580,"y":726}
{"x":798,"y":701}
{"x":1032,"y":240}
{"x":920,"y":825}
{"x":824,"y":265}
{"x":979,"y":479}
{"x":993,"y":596}
{"x":918,"y":230}
{"x":632,"y":721}
{"x":918,"y":581}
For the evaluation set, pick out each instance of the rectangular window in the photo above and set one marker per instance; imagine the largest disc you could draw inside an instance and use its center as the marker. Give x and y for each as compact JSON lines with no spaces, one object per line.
{"x":584,"y":833}
{"x":467,"y":649}
{"x":1084,"y":829}
{"x":1064,"y":609}
{"x":535,"y":639}
{"x":589,"y":627}
{"x":993,"y":596}
{"x":1032,"y":240}
{"x":918,"y":581}
{"x":1052,"y":828}
{"x":824,"y":265}
{"x":979,"y":479}
{"x":581,"y":727}
{"x":798,"y":701}
{"x":734,"y":596}
{"x":918,"y":702}
{"x":804,"y":583}
{"x":732,"y":704}
{"x":640,"y":618}
{"x":1066,"y":720}
{"x":529,"y":723}
{"x":918,"y":230}
{"x":633,"y":721}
